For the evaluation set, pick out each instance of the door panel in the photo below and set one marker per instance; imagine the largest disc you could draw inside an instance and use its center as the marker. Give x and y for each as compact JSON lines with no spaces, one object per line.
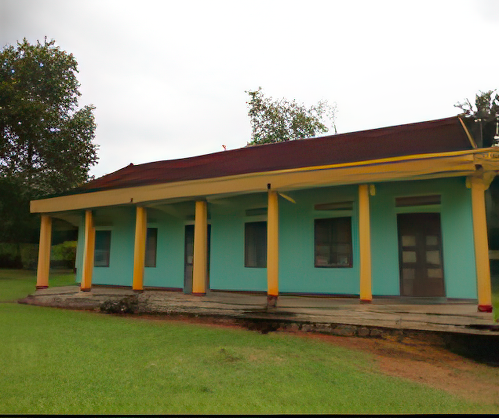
{"x":420,"y":255}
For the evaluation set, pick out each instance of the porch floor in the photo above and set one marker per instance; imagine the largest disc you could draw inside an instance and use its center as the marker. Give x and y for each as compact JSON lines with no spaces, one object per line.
{"x":347,"y":315}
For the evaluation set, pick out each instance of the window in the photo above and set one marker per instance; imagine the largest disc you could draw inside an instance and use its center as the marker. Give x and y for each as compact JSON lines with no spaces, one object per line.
{"x":151,"y":244}
{"x":417,"y":200}
{"x":334,"y":206}
{"x":102,"y":248}
{"x":333,"y":242}
{"x":255,"y":244}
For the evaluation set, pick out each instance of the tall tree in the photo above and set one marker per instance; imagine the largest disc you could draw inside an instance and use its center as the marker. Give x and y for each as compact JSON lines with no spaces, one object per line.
{"x":483,"y":115}
{"x":46,"y":140}
{"x":283,"y":120}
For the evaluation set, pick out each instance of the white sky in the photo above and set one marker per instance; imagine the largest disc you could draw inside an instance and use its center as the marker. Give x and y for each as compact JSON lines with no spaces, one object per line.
{"x":168,"y":78}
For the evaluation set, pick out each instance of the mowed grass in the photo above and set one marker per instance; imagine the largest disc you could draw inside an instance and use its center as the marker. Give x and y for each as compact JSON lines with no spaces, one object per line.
{"x":55,"y":361}
{"x":58,"y":361}
{"x":16,"y":284}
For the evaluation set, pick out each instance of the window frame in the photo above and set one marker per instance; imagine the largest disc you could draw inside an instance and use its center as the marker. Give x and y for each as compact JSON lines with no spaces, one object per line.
{"x":332,"y":243}
{"x":108,"y":258}
{"x":149,"y":249}
{"x":260,"y":240}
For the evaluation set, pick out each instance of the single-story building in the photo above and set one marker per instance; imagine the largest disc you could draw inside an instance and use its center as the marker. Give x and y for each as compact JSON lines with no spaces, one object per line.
{"x":396,"y":211}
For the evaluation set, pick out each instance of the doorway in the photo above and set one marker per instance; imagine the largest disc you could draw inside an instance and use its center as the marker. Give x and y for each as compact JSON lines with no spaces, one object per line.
{"x":189,"y":258}
{"x":420,"y":255}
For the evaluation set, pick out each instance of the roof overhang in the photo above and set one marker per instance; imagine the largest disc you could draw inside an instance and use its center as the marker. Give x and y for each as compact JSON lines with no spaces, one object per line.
{"x":412,"y":167}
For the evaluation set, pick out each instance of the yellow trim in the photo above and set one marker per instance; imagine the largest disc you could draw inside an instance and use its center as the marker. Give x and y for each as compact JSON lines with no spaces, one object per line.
{"x":481,"y":242}
{"x":200,"y":262}
{"x":468,"y":134}
{"x":88,"y":252}
{"x":365,"y":244}
{"x":458,"y":163}
{"x":42,"y":274}
{"x":288,"y":198}
{"x":273,"y":244}
{"x":139,"y":252}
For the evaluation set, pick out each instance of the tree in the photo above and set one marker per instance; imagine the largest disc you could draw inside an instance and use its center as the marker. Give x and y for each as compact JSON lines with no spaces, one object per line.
{"x":484,"y":112}
{"x":46,"y":140}
{"x":281,"y":120}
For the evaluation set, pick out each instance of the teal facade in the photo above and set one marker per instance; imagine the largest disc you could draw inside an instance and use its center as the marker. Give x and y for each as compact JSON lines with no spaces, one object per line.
{"x":297,"y":272}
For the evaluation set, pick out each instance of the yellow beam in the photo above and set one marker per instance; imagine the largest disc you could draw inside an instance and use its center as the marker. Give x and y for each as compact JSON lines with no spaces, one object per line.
{"x":88,"y":253}
{"x":139,"y":254}
{"x":365,"y":244}
{"x":42,"y":274}
{"x":273,"y":246}
{"x":478,"y":188}
{"x":458,"y":163}
{"x":200,"y":267}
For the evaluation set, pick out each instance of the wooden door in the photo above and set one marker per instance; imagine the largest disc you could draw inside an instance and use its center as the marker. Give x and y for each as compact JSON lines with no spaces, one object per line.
{"x":420,"y":255}
{"x":188,"y":258}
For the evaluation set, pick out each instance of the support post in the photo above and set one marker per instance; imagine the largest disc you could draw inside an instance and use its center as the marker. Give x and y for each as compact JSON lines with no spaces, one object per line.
{"x":365,"y":244}
{"x":139,"y":252}
{"x":272,"y":248}
{"x":200,"y":262}
{"x":43,"y":270}
{"x":88,"y":253}
{"x":478,"y":187}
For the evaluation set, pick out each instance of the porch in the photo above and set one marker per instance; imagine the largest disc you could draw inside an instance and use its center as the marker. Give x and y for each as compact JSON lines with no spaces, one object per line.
{"x":332,"y":315}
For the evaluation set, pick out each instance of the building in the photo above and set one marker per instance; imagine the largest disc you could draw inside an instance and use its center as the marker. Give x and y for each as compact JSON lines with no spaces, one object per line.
{"x":396,"y":211}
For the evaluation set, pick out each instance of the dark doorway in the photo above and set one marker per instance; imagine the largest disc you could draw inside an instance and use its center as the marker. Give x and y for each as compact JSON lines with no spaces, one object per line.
{"x":420,"y":255}
{"x":189,"y":258}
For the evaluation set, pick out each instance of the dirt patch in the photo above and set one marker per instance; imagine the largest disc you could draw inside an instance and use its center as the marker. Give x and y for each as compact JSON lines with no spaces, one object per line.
{"x":421,"y":360}
{"x":428,"y":364}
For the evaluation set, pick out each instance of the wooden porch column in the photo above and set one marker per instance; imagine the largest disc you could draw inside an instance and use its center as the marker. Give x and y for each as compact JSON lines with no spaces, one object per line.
{"x":88,"y":253}
{"x":200,"y":262}
{"x":272,"y":248}
{"x":42,"y":273}
{"x":139,"y":252}
{"x":365,"y":244}
{"x":478,"y":187}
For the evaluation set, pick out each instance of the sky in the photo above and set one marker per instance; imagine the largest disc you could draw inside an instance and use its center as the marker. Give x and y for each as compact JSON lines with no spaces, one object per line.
{"x":169,"y":78}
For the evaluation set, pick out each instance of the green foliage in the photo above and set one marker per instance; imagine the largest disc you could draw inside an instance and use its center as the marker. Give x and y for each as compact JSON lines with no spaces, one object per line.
{"x":484,"y":111}
{"x":65,"y":362}
{"x":281,"y":120}
{"x":46,"y":141}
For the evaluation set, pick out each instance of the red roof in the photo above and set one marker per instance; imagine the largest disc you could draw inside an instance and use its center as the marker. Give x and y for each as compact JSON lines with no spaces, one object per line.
{"x":442,"y":135}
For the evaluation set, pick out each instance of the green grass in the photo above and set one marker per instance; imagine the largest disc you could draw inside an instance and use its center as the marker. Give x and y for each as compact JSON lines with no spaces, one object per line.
{"x":68,"y":362}
{"x":16,"y":284}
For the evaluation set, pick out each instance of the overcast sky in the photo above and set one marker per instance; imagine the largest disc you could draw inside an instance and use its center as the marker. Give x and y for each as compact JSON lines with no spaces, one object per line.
{"x":168,"y":78}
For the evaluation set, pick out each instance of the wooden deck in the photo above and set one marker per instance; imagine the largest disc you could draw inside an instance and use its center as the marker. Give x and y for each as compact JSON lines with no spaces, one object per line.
{"x":340,"y":316}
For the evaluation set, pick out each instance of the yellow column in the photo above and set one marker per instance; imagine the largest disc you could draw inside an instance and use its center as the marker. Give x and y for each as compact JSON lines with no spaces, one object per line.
{"x":273,"y":248}
{"x":200,"y":262}
{"x":481,"y":244}
{"x":365,"y":244}
{"x":139,"y":254}
{"x":88,"y":253}
{"x":42,"y":274}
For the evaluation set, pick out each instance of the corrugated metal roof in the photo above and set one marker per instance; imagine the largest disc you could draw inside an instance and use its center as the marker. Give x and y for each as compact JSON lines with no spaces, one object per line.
{"x":437,"y":136}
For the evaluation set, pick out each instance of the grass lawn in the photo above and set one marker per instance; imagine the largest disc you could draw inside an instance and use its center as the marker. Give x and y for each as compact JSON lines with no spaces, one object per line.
{"x":16,"y":284}
{"x":55,"y":361}
{"x":58,"y":361}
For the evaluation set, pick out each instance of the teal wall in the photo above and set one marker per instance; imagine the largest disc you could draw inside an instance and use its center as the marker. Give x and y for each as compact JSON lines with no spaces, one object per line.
{"x":169,"y":270}
{"x":297,"y":272}
{"x":227,"y":271}
{"x":457,"y":234}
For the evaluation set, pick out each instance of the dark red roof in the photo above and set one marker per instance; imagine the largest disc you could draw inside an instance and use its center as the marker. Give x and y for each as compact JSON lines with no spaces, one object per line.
{"x":441,"y":135}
